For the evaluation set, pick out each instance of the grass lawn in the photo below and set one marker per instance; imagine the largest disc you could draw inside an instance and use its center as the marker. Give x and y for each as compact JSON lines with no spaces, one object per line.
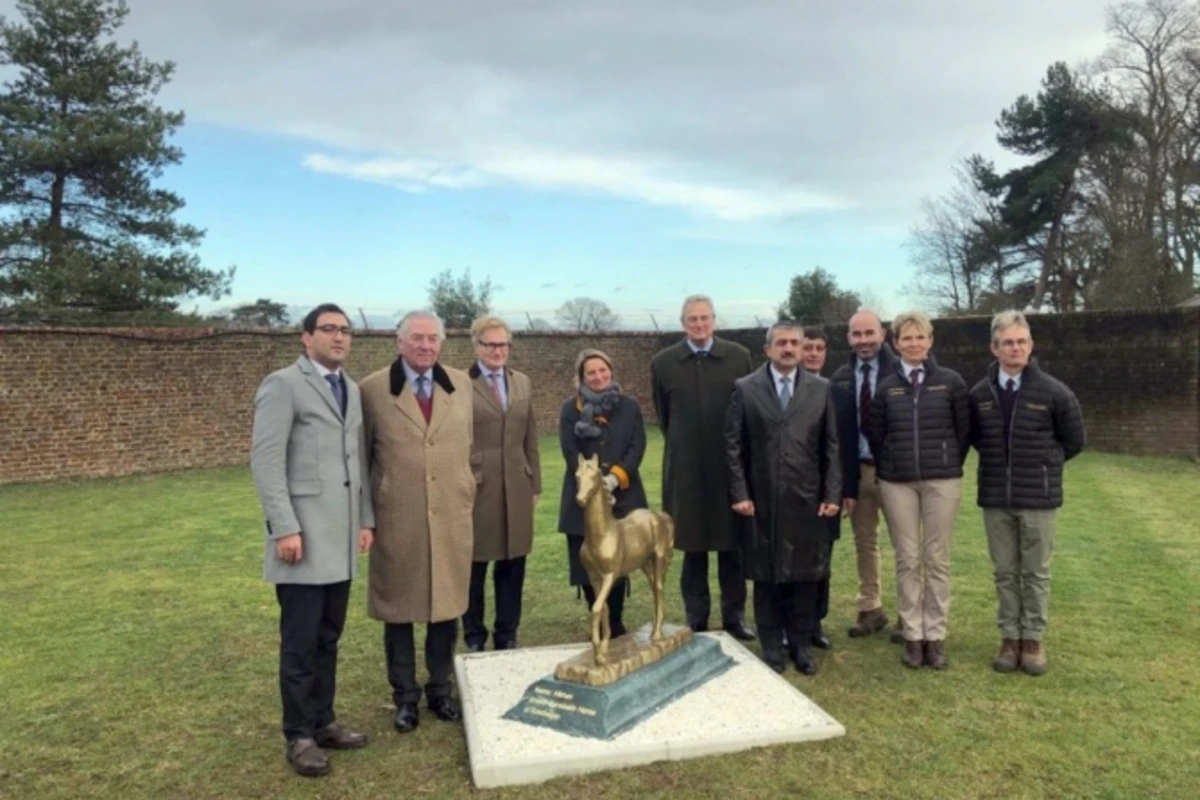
{"x":138,"y":650}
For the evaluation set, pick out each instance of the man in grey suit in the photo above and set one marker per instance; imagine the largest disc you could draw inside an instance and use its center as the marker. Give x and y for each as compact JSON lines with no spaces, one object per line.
{"x":309,"y":465}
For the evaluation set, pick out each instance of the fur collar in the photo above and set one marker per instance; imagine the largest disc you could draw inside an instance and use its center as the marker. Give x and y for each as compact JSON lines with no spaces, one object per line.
{"x":397,"y":377}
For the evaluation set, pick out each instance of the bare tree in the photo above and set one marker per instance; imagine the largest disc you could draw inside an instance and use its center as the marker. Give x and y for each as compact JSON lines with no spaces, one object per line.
{"x":586,"y":314}
{"x":1152,"y":206}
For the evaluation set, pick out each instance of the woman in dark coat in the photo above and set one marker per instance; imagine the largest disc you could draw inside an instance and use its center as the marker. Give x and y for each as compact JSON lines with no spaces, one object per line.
{"x":600,"y":421}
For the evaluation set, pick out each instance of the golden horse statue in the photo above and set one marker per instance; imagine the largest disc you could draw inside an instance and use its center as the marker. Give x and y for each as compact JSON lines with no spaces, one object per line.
{"x":615,"y":547}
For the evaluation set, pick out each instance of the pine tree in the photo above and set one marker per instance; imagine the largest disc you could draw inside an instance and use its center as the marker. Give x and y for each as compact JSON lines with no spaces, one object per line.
{"x":82,"y":226}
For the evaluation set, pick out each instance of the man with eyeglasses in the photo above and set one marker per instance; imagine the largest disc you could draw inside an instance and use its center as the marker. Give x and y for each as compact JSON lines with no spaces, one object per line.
{"x":1025,"y":425}
{"x":309,"y":465}
{"x":418,"y":423}
{"x":508,"y":480}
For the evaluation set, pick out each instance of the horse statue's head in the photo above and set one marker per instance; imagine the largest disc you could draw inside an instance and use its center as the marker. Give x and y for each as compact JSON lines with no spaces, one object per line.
{"x":588,"y":478}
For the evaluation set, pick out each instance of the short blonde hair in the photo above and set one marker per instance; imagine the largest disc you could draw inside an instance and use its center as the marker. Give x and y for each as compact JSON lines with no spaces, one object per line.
{"x":1006,"y":319}
{"x":918,"y":319}
{"x":488,"y":323}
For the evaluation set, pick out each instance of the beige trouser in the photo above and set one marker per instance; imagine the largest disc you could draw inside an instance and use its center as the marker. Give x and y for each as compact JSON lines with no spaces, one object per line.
{"x":865,"y":522}
{"x":920,"y":517}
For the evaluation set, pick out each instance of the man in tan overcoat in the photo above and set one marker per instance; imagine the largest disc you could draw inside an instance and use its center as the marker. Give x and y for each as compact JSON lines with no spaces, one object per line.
{"x":508,"y":480}
{"x":417,"y":418}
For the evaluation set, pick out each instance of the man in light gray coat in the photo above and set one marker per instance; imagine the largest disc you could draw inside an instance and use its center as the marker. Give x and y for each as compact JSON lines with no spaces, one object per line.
{"x":309,"y":466}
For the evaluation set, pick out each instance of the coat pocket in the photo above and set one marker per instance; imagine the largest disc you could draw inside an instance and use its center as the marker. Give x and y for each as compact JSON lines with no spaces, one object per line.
{"x":306,"y":488}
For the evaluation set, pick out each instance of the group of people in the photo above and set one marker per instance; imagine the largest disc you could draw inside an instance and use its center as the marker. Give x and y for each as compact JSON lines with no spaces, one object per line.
{"x":435,"y":472}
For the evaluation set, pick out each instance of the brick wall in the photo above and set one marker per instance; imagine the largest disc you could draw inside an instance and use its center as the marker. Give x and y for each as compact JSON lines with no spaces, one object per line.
{"x":88,"y":403}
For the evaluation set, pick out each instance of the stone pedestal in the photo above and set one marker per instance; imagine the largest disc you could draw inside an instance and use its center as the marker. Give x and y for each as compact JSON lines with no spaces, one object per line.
{"x":603,"y":711}
{"x":745,"y":706}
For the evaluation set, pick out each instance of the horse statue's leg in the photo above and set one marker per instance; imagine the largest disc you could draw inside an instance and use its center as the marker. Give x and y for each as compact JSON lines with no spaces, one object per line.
{"x":600,"y":620}
{"x":664,"y":546}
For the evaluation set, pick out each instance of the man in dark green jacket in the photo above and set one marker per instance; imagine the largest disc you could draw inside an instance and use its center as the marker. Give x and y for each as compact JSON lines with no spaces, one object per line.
{"x":692,"y":382}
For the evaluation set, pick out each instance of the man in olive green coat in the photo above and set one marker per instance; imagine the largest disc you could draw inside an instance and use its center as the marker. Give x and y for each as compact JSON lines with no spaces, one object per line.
{"x":692,"y":382}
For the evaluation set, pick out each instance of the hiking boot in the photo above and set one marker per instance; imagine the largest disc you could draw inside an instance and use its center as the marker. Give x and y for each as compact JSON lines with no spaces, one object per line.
{"x":914,"y":654}
{"x":1009,"y":656}
{"x":1033,"y":657}
{"x":897,"y":636}
{"x":868,"y":622}
{"x":935,"y":654}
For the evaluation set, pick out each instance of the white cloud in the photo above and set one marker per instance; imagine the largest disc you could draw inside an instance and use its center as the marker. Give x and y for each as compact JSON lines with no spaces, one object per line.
{"x":748,"y":111}
{"x":579,"y":173}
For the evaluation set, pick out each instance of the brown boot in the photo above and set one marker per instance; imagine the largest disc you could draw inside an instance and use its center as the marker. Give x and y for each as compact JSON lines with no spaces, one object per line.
{"x":897,"y":636}
{"x":1009,"y":656}
{"x":868,"y":622}
{"x":1033,"y":657}
{"x":914,"y":654}
{"x":935,"y":654}
{"x":307,"y":758}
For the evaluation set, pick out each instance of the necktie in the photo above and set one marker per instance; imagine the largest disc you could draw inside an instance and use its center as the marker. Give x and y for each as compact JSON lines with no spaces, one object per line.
{"x":785,"y":396}
{"x":1011,"y":386}
{"x":864,"y":399}
{"x":701,"y":354}
{"x":422,"y":392}
{"x":915,"y":377}
{"x":339,"y":392}
{"x":495,"y":379}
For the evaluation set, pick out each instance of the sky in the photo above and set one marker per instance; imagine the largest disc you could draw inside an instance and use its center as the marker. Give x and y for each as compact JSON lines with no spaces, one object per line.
{"x":351,"y":150}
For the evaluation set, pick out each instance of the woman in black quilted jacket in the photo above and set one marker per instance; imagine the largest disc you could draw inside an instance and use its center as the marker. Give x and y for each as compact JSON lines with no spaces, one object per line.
{"x":919,"y":432}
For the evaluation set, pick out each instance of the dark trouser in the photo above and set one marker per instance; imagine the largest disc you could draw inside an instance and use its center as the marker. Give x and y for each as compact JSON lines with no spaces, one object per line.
{"x":508,"y":576}
{"x":693,"y":581}
{"x":780,"y":607}
{"x":822,"y":599}
{"x":402,"y":659}
{"x":311,"y":618}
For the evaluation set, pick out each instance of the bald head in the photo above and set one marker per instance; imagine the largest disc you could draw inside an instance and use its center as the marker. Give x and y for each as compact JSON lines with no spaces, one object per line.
{"x":865,"y":334}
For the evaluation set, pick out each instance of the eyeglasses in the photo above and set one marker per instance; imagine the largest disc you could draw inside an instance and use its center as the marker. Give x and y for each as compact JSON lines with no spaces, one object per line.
{"x":332,"y":329}
{"x":495,"y":345}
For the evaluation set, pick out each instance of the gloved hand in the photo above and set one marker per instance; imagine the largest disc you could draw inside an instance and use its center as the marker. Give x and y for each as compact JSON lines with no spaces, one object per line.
{"x":612,"y":483}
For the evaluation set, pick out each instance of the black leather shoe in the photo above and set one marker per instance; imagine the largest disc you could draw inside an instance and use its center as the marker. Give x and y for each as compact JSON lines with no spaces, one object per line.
{"x":697,"y":626}
{"x":407,"y":717}
{"x":509,"y":644}
{"x":334,"y":737}
{"x":821,"y":641}
{"x":616,"y":629}
{"x":738,"y":630}
{"x":803,"y":661}
{"x":444,"y":708}
{"x":307,"y":758}
{"x":774,"y":660}
{"x":474,"y":647}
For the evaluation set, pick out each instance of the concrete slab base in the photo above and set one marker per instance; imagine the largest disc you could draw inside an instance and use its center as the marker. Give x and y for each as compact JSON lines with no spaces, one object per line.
{"x":746,"y":706}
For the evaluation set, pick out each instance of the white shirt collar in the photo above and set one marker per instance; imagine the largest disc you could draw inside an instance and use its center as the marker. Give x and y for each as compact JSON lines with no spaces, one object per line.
{"x":322,"y":370}
{"x":777,"y":376}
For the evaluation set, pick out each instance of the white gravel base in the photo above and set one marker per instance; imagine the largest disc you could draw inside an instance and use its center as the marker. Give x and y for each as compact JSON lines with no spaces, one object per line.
{"x":746,"y":706}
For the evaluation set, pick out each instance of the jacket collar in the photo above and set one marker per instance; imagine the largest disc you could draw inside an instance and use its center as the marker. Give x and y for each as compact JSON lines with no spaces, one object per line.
{"x":719,"y":349}
{"x":475,"y":371}
{"x":397,"y":377}
{"x":1030,"y":372}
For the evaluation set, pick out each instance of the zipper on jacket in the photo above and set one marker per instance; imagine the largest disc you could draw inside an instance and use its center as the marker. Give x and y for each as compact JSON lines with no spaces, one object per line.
{"x":945,"y":456}
{"x":1007,"y":441}
{"x":916,"y":431}
{"x":1046,"y":480}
